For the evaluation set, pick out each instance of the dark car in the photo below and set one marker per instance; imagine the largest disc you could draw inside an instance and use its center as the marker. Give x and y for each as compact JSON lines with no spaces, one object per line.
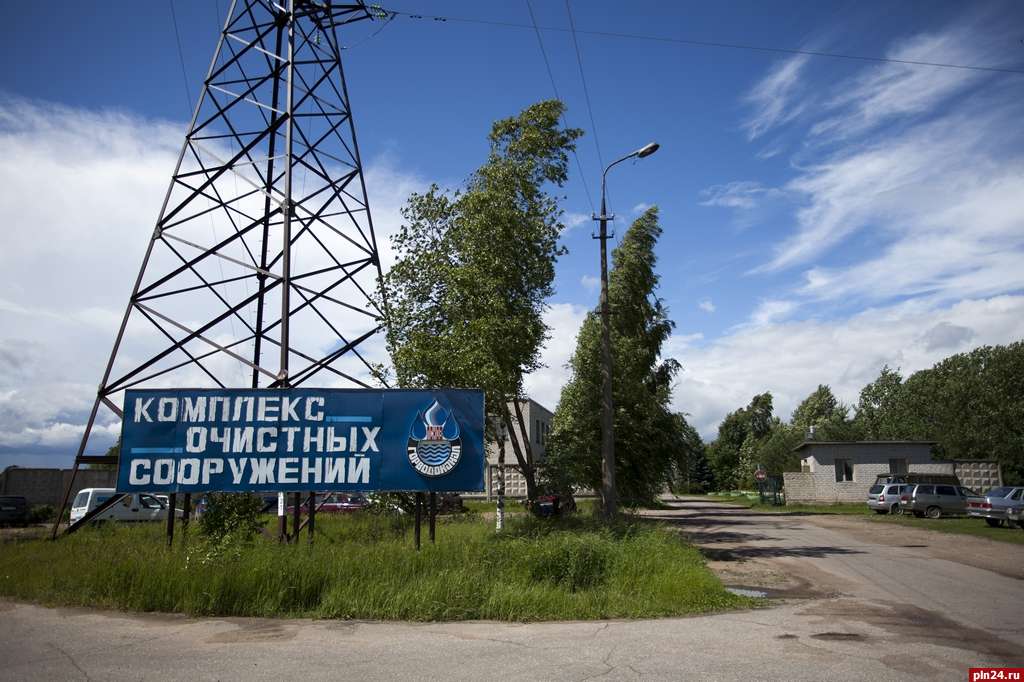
{"x":554,"y":505}
{"x":342,"y":503}
{"x":13,"y":510}
{"x":935,"y":501}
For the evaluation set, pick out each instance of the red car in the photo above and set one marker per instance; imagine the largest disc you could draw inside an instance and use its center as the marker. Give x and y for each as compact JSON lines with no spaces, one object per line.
{"x":336,"y":503}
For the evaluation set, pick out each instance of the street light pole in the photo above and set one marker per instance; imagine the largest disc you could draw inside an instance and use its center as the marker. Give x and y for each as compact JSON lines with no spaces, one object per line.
{"x":609,"y":506}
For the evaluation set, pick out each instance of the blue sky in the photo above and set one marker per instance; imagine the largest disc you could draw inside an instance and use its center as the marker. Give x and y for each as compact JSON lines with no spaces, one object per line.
{"x":822,"y":216}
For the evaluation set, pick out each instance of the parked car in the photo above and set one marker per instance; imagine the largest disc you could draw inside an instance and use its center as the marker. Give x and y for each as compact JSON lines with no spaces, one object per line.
{"x":1015,"y":516}
{"x":334,"y":503}
{"x":135,"y":507}
{"x":994,"y":505}
{"x":343,"y":503}
{"x":884,"y":498}
{"x":13,"y":510}
{"x":554,"y":505}
{"x":935,"y":501}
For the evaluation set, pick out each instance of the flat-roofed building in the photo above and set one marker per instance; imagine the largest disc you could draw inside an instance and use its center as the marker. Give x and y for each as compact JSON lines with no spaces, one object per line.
{"x":537,"y":420}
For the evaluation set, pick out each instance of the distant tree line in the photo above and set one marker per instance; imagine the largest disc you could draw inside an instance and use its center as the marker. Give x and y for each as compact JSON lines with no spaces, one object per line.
{"x":971,"y":405}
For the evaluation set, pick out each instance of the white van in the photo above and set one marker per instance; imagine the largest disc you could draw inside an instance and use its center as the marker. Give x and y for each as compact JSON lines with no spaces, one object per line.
{"x":136,"y":507}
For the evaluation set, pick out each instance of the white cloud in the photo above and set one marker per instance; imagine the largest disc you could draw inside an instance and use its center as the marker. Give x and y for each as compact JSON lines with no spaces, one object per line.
{"x":895,"y":90}
{"x":771,"y":310}
{"x":773,"y":97}
{"x":706,"y":305}
{"x":641,"y":207}
{"x":96,"y":180}
{"x":545,"y":384}
{"x":791,"y":358}
{"x":574,"y":220}
{"x":590,"y":283}
{"x":742,"y":194}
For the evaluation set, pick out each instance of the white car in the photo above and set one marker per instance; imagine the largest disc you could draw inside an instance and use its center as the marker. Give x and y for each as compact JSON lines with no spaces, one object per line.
{"x":135,"y":507}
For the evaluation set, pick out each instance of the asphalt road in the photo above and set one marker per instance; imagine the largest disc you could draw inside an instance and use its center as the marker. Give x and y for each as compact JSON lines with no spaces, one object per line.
{"x":852,"y":601}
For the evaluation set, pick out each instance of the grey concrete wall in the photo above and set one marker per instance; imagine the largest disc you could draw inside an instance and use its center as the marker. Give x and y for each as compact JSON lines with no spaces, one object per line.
{"x":46,"y":486}
{"x":821,"y":486}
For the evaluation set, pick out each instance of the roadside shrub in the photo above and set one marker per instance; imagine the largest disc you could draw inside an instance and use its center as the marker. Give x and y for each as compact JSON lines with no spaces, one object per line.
{"x":231,"y":514}
{"x":41,"y":513}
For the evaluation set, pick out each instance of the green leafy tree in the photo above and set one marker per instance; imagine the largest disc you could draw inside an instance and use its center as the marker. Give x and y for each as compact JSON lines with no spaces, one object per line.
{"x":829,"y":417}
{"x":474,"y":268}
{"x":692,"y":471}
{"x":648,"y":436}
{"x":972,"y":405}
{"x":880,"y":409}
{"x":753,"y":421}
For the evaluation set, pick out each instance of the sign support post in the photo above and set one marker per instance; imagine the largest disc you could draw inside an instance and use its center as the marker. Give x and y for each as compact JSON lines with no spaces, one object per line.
{"x":296,"y":516}
{"x":186,"y":512}
{"x":419,"y":519}
{"x":171,"y":504}
{"x":282,"y":519}
{"x":433,"y":516}
{"x":312,"y":514}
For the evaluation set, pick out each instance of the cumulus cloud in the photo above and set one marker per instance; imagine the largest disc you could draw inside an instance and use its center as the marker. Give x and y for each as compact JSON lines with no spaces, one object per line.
{"x":706,"y":305}
{"x":545,"y":384}
{"x":590,"y":282}
{"x":96,"y":181}
{"x":791,"y":358}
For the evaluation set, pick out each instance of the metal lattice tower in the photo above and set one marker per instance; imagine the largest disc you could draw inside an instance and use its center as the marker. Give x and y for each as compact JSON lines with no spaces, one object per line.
{"x":263,"y":266}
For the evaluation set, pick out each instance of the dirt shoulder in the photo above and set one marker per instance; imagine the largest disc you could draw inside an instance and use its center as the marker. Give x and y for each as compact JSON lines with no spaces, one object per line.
{"x":990,"y":555}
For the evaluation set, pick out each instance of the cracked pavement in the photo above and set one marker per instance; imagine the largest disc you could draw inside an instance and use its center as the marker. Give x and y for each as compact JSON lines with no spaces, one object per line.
{"x":850,"y":601}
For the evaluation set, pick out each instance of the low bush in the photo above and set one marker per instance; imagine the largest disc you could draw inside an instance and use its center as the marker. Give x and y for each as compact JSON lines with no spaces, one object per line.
{"x":41,"y":513}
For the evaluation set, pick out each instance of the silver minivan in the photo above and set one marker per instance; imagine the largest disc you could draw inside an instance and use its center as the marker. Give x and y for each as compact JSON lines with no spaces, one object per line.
{"x":935,"y":500}
{"x":884,"y":498}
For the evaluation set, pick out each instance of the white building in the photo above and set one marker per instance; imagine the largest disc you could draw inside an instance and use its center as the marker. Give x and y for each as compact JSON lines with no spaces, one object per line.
{"x":537,"y":420}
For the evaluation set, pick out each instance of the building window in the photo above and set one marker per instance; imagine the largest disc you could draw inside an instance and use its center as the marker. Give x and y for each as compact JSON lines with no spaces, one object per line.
{"x":898,"y":466}
{"x":844,"y":470}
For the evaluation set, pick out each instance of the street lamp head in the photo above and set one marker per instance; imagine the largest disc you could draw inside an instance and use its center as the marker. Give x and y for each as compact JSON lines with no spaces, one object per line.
{"x":647,"y":150}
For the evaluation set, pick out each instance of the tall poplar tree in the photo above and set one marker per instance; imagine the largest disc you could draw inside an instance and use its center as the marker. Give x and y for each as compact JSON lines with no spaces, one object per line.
{"x":648,"y":435}
{"x":474,"y":269}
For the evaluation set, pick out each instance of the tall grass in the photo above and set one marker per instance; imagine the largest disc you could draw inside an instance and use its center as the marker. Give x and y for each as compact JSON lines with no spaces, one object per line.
{"x":364,"y":567}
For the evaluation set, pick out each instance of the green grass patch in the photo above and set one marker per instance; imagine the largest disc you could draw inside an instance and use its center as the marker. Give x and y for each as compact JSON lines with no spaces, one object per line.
{"x":364,"y":566}
{"x":958,"y":525}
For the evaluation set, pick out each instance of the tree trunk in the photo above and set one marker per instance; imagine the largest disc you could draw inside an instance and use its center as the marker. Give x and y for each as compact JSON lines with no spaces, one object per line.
{"x":499,"y":517}
{"x":525,"y":461}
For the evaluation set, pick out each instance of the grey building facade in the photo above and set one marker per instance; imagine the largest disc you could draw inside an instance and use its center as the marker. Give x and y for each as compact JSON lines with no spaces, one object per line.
{"x":843,"y":471}
{"x":537,"y":420}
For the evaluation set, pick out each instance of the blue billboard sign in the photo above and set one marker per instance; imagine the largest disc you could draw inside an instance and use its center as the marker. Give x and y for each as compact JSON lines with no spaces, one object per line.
{"x":302,"y":439}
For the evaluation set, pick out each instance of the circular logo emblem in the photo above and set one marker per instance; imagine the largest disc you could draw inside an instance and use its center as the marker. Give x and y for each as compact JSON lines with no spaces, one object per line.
{"x":434,"y":443}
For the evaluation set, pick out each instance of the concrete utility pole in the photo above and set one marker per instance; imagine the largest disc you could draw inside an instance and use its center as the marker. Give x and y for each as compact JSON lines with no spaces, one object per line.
{"x":609,"y":506}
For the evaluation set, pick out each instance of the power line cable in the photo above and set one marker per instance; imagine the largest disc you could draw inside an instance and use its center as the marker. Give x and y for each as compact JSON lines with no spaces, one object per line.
{"x":551,"y":77}
{"x":711,"y":43}
{"x":583,"y":78}
{"x":213,"y":227}
{"x":181,"y":56}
